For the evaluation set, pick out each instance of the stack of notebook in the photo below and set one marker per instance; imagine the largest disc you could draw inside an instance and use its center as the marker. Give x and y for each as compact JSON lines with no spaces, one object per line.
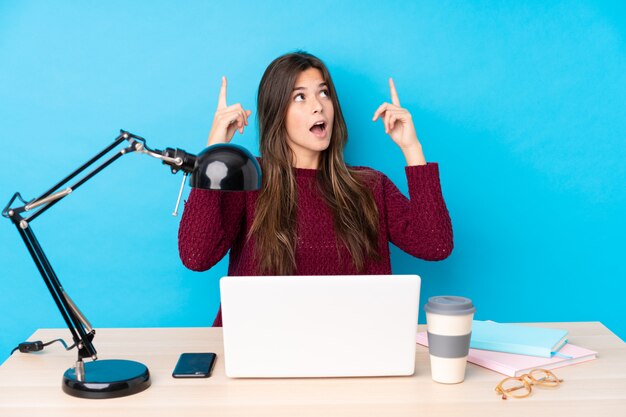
{"x":514,"y":349}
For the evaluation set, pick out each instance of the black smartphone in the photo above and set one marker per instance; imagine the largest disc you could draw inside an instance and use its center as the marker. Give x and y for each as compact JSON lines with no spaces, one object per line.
{"x":194,"y":365}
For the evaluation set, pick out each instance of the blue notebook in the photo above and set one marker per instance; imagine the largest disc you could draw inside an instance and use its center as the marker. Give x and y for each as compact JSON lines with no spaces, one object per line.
{"x":514,"y":338}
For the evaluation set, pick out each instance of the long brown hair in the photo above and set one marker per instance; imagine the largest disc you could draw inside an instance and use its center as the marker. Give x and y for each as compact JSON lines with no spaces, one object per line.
{"x":344,"y":190}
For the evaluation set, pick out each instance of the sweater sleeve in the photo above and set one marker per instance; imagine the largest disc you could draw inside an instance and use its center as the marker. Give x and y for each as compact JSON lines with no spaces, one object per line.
{"x":211,"y":221}
{"x":420,"y":226}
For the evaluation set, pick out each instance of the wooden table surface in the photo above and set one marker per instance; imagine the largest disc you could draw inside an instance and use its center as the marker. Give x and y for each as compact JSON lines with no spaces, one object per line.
{"x":31,"y":383}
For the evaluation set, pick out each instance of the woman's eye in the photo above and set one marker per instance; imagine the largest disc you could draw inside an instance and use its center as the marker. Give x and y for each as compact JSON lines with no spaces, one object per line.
{"x":324,"y":93}
{"x":299,"y":97}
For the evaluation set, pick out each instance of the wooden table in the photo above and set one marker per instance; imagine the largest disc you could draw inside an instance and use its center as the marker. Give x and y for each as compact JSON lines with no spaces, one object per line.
{"x":30,"y":384}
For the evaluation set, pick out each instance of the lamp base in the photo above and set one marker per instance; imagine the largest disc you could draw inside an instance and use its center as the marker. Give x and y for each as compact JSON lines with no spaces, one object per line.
{"x":110,"y":378}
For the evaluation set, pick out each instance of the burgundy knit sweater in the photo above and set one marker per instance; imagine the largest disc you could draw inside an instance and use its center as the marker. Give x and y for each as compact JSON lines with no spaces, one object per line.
{"x":214,"y":222}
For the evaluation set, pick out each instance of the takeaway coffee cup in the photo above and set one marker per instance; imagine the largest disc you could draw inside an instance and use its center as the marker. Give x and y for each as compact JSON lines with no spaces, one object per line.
{"x":449,"y":322}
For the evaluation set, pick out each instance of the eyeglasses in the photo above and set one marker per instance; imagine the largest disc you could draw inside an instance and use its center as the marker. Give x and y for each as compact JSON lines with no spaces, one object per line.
{"x":521,"y":386}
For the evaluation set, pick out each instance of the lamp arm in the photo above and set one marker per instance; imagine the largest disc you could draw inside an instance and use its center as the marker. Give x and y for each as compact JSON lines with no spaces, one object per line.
{"x":121,"y":138}
{"x":79,"y":314}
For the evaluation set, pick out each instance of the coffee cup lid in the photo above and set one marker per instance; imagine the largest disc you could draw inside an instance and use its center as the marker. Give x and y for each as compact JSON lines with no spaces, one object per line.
{"x":449,"y":305}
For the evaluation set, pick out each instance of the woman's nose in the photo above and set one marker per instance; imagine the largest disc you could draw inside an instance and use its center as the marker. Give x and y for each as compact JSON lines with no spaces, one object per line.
{"x":317,"y":105}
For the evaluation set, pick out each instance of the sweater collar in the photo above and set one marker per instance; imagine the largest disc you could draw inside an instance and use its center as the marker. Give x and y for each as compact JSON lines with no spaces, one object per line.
{"x":305,"y":172}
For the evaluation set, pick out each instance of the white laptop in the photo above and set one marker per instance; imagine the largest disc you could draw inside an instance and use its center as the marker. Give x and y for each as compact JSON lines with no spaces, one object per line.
{"x":320,"y":326}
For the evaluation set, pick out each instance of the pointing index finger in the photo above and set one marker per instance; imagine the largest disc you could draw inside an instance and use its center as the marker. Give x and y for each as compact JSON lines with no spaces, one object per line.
{"x":394,"y":94}
{"x":221,"y":102}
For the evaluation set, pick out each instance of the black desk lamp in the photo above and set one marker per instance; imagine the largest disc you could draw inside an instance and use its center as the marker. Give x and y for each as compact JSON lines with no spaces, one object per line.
{"x":219,"y":167}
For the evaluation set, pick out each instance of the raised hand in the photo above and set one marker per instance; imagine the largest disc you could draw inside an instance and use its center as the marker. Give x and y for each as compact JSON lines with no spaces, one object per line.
{"x":399,"y":126}
{"x":227,"y":119}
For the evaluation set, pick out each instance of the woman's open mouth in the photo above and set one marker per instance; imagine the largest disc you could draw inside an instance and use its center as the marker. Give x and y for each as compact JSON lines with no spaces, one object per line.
{"x":319,"y":129}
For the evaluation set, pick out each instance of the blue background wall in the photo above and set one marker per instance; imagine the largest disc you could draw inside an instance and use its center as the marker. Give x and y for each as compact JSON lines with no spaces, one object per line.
{"x":522,"y":105}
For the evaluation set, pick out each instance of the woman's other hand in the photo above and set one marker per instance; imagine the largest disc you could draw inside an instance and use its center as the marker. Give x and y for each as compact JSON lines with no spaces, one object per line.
{"x":227,"y":119}
{"x":399,"y":126}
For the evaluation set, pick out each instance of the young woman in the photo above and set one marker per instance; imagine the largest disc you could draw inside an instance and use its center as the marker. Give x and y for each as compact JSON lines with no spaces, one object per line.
{"x":313,"y":215}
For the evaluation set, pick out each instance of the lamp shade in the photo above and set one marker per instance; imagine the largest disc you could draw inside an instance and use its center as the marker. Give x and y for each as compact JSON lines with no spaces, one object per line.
{"x":226,"y":167}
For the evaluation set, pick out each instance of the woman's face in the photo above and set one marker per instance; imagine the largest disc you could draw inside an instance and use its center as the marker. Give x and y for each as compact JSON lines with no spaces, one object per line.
{"x":309,"y":120}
